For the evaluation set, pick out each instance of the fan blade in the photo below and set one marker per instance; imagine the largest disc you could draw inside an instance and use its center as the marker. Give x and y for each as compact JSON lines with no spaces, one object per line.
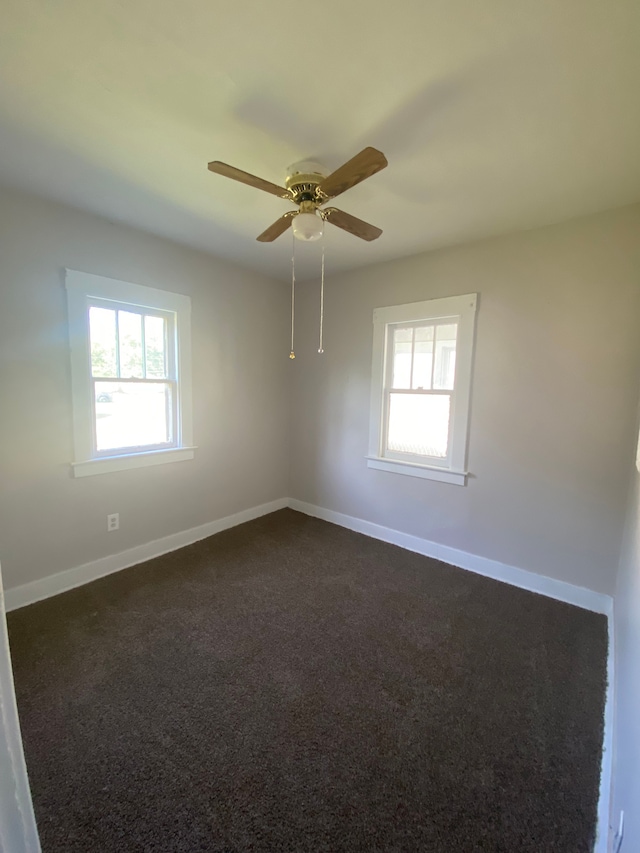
{"x":245,"y":178}
{"x":278,"y":228}
{"x":352,"y":224}
{"x":363,"y":165}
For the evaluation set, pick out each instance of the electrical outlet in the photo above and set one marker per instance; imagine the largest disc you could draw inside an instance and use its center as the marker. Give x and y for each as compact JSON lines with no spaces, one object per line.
{"x":617,"y":839}
{"x":113,"y":521}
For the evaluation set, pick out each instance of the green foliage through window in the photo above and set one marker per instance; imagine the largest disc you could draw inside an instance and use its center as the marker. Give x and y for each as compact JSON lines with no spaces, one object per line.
{"x":125,"y":344}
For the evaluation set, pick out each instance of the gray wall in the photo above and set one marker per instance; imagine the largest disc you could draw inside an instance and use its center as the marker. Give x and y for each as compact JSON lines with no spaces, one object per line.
{"x":553,"y":402}
{"x":626,"y":774}
{"x":48,"y":520}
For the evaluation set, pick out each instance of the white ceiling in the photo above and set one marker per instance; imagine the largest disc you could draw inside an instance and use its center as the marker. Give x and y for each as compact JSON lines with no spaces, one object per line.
{"x":495,"y":115}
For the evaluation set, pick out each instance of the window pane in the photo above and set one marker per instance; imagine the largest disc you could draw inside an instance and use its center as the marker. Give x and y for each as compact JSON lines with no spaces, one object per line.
{"x":445,"y":368}
{"x":405,"y":335}
{"x":402,"y":339}
{"x":130,"y":329}
{"x":102,"y":333}
{"x":132,"y":414}
{"x":424,"y":333}
{"x":155,"y":347}
{"x":422,"y":358}
{"x":419,"y":424}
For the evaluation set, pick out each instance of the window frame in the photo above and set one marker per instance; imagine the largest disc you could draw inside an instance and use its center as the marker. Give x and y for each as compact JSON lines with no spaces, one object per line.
{"x":461,"y":310}
{"x":83,"y":291}
{"x":171,"y":378}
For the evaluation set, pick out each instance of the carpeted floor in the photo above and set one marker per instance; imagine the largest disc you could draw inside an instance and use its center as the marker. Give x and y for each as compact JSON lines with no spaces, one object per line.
{"x":289,"y":685}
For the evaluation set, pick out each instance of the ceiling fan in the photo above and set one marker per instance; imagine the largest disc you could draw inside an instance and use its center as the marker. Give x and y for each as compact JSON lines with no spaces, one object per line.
{"x":309,"y":187}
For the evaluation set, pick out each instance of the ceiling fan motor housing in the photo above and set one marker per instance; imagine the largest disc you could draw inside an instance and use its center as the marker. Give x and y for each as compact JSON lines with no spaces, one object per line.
{"x":303,"y":178}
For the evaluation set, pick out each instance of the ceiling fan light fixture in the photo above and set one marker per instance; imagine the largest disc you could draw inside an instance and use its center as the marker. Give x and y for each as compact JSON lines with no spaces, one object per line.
{"x":307,"y":227}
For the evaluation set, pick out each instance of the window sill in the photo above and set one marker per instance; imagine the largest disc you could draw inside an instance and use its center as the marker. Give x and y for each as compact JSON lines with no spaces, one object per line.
{"x":412,"y":469}
{"x":109,"y":464}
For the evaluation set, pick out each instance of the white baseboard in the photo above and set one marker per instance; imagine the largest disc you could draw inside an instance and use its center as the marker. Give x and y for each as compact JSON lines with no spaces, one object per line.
{"x":53,"y":584}
{"x":28,"y":593}
{"x":560,"y":590}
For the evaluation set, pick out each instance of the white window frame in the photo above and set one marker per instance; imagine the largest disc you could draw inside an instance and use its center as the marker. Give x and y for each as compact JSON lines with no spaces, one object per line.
{"x":85,"y":290}
{"x":459,"y":309}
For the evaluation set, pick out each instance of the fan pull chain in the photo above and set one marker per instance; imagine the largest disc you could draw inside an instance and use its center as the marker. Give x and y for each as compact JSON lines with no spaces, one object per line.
{"x":320,"y":348}
{"x":293,"y":292}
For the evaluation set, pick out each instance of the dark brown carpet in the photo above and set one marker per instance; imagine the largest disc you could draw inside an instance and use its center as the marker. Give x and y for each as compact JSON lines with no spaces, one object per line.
{"x":289,"y":685}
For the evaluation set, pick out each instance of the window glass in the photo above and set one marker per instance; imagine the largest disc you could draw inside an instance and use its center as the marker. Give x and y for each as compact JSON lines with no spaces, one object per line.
{"x":419,"y":424}
{"x":422,"y":357}
{"x":445,"y":364}
{"x":132,"y":414}
{"x":130,"y":339}
{"x":102,"y":331}
{"x":155,"y":347}
{"x":402,"y":350}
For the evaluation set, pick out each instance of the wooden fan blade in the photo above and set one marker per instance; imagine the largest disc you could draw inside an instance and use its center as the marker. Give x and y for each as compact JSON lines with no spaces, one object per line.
{"x":278,"y":228}
{"x":352,"y":224}
{"x":245,"y":178}
{"x":363,"y":165}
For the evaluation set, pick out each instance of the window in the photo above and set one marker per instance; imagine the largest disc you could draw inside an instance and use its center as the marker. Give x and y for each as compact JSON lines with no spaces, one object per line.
{"x":421,"y":383}
{"x":131,"y":374}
